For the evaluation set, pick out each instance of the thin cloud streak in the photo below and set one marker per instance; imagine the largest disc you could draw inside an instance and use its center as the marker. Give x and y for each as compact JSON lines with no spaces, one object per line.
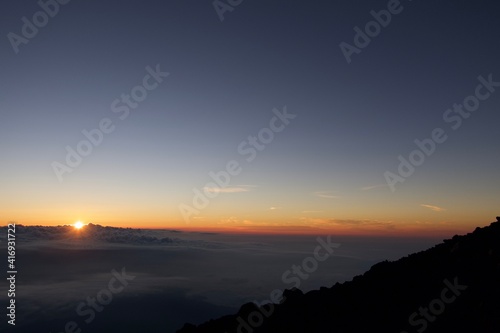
{"x":434,"y":208}
{"x":326,"y":195}
{"x":369,"y":188}
{"x":226,"y":189}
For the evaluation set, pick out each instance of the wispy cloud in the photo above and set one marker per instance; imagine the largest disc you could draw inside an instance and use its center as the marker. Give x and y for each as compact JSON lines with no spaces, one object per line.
{"x":326,"y":194}
{"x":238,"y":189}
{"x":348,"y":223}
{"x":361,"y":222}
{"x":229,"y":220}
{"x":433,"y":208}
{"x":234,"y":221}
{"x":274,"y":208}
{"x":372,"y":187}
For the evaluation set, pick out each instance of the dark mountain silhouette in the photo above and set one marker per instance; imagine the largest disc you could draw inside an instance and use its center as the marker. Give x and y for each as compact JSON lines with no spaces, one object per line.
{"x":451,"y":287}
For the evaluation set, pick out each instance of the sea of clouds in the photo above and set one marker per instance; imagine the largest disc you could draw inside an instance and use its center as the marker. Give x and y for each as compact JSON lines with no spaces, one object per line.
{"x":178,"y":276}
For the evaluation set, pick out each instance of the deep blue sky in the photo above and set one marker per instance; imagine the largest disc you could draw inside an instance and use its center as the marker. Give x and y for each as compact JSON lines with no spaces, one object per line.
{"x":353,"y":120}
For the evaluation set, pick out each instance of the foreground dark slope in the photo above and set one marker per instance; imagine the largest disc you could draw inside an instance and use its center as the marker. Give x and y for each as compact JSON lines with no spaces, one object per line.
{"x":452,"y":287}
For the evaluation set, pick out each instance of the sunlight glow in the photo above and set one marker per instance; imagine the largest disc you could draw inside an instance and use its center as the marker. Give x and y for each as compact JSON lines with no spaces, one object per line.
{"x":78,"y":225}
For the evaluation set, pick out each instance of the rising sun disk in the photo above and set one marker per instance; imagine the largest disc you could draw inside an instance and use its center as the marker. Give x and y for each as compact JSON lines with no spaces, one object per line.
{"x":78,"y":225}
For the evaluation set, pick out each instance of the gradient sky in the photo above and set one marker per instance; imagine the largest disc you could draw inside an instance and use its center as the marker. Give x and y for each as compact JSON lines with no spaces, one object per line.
{"x":325,"y":170}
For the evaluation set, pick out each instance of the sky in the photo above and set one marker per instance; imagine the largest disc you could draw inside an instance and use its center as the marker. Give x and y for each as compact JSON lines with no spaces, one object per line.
{"x":303,"y":119}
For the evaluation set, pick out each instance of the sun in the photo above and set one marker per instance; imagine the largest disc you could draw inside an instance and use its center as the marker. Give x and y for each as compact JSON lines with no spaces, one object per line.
{"x":78,"y":225}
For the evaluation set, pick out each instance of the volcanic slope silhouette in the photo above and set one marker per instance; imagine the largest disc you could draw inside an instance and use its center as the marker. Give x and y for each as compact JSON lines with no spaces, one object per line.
{"x":451,"y":287}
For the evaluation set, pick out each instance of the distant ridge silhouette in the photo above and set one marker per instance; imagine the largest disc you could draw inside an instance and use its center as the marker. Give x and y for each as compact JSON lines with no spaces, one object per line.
{"x":451,"y":287}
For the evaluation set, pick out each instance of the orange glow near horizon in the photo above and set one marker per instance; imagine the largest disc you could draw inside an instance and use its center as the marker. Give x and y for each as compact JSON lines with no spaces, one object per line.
{"x":405,"y":220}
{"x":299,"y":226}
{"x":374,"y":212}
